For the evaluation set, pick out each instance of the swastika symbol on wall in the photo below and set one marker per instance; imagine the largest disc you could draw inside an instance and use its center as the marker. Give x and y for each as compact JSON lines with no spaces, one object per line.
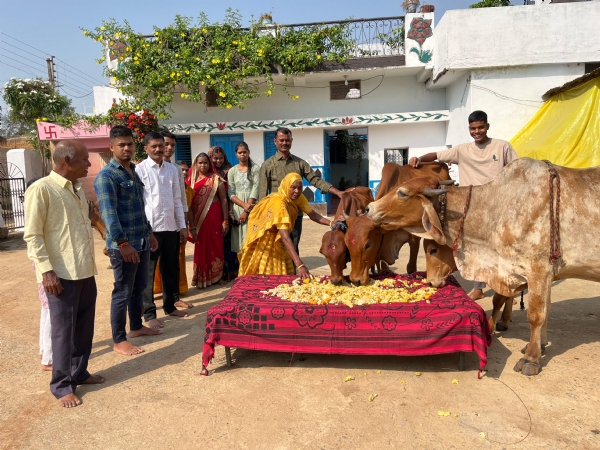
{"x":50,"y":133}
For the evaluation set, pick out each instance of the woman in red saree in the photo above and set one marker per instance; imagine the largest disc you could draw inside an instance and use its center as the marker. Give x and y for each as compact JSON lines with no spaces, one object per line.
{"x":209,"y":208}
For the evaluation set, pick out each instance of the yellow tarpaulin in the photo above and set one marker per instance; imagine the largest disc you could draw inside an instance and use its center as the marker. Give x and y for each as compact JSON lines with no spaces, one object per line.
{"x":566,"y":129}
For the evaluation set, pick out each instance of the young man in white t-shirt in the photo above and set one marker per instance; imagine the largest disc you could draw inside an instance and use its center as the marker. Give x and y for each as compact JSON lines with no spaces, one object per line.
{"x":480,"y":161}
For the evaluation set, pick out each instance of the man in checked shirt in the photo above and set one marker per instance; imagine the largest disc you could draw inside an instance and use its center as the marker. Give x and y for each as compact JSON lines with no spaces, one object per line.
{"x":279,"y":165}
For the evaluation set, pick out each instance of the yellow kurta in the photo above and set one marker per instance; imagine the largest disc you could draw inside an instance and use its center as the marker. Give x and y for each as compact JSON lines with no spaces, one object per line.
{"x":263,"y":251}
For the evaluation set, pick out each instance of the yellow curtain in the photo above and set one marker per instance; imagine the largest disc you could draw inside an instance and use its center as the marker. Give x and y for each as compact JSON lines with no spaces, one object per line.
{"x":566,"y":129}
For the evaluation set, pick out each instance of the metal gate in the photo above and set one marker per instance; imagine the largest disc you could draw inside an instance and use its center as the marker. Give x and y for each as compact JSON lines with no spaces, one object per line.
{"x":12,"y":197}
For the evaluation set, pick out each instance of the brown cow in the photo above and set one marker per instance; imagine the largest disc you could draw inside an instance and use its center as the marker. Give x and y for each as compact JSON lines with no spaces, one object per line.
{"x":333,"y":247}
{"x":507,"y":234}
{"x":368,"y":244}
{"x":96,"y":219}
{"x":440,"y":264}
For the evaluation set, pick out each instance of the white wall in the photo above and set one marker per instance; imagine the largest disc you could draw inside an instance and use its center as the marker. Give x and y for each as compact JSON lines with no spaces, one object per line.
{"x":256,"y":144}
{"x":458,"y":102}
{"x":395,"y":94}
{"x":509,"y":95}
{"x":103,"y":98}
{"x":419,"y":138}
{"x":517,"y":36}
{"x":29,"y":162}
{"x":512,"y":95}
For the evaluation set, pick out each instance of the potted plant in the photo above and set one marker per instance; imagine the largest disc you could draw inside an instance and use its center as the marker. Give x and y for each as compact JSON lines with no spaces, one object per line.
{"x":265,"y":19}
{"x":427,"y":9}
{"x":410,"y":6}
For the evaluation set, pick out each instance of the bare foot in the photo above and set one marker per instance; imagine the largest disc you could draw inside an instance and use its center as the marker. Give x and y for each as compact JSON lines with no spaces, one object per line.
{"x":178,"y":313}
{"x":144,"y":331}
{"x":47,"y":367}
{"x":94,"y":379}
{"x":222,"y":282}
{"x":476,"y":294}
{"x":69,"y":401}
{"x":154,"y":323}
{"x":127,"y":349}
{"x":182,"y":304}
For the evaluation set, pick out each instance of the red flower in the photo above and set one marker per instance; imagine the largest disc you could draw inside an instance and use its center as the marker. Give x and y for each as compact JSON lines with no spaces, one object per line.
{"x":221,"y":126}
{"x":347,"y":120}
{"x":142,"y":135}
{"x":132,"y":116}
{"x":420,"y":30}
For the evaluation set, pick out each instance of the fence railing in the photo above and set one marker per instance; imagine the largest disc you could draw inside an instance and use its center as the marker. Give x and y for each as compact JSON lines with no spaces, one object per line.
{"x":381,"y":36}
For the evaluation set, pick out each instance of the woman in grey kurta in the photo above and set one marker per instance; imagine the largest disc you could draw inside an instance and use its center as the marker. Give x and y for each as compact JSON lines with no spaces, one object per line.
{"x":243,"y":180}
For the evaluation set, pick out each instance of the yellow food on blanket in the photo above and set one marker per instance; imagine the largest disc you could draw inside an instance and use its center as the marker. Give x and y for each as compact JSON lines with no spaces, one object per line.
{"x":320,"y":291}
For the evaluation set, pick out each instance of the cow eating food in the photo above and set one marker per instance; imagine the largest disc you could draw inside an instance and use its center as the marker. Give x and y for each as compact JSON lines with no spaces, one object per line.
{"x":369,"y":244}
{"x":531,"y":225}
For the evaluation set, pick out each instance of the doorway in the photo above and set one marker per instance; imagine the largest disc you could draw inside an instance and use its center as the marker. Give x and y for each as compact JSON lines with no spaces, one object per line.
{"x":228,"y":143}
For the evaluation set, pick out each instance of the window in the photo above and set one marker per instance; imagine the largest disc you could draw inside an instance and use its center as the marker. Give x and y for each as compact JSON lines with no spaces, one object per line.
{"x":339,"y":90}
{"x":396,"y":155}
{"x":270,"y":149}
{"x":210,"y":98}
{"x":183,"y":149}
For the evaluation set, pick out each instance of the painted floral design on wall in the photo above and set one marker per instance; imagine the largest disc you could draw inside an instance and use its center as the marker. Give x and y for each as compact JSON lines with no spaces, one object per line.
{"x":420,"y":30}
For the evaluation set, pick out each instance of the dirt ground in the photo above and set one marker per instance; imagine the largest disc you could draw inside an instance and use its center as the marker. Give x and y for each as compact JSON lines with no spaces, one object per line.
{"x":159,"y":400}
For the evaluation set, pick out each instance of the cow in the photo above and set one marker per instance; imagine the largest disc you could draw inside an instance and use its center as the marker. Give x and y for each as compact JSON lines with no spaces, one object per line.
{"x":333,"y":247}
{"x":531,"y":225}
{"x":368,"y":244}
{"x":440,"y":263}
{"x":96,"y":218}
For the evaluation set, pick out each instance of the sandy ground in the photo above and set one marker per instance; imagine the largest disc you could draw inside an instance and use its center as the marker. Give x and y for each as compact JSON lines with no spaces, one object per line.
{"x":159,"y":400}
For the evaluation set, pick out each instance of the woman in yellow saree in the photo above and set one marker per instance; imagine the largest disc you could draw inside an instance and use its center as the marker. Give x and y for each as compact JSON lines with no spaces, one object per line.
{"x":268,"y":248}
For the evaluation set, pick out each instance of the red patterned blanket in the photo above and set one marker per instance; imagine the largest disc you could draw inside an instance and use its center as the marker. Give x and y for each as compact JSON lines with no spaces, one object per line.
{"x":246,"y":318}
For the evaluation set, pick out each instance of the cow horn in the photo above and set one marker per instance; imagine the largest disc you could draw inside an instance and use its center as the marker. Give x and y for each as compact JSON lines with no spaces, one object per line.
{"x":429,"y":192}
{"x":446,"y":182}
{"x":346,"y":216}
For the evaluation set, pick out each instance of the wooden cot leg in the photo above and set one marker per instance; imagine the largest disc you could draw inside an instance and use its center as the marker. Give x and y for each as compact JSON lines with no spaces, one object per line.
{"x":228,"y":356}
{"x":461,"y":361}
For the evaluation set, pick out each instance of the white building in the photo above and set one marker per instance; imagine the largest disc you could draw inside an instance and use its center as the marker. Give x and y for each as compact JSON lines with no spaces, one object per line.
{"x":500,"y":60}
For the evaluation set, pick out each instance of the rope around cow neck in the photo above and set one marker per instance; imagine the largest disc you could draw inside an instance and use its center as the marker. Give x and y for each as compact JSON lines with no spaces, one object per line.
{"x":461,"y":225}
{"x":555,"y":253}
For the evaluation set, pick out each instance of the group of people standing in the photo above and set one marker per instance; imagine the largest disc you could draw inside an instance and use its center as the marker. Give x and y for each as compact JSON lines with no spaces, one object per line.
{"x":242,"y":219}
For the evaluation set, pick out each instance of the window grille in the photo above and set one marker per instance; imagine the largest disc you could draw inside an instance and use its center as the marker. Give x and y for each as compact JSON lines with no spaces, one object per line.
{"x":339,"y":90}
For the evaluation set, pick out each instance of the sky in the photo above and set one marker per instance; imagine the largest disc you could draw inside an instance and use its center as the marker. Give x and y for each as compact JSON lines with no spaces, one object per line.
{"x":29,"y":35}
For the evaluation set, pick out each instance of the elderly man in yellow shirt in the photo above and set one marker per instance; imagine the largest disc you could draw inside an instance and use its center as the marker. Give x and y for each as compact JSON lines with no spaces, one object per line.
{"x":61,"y":245}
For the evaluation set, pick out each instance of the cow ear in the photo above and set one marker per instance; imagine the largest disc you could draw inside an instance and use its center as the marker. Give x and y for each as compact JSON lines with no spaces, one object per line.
{"x":431,"y":222}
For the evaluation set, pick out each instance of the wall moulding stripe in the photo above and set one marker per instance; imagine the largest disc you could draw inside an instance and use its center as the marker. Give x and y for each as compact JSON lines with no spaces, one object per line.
{"x":319,"y":122}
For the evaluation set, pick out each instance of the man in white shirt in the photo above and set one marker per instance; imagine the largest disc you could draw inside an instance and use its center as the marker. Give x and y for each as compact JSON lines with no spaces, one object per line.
{"x":164,"y":210}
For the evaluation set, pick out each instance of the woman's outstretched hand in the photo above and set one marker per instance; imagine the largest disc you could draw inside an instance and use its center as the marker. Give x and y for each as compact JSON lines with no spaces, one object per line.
{"x":303,"y":272}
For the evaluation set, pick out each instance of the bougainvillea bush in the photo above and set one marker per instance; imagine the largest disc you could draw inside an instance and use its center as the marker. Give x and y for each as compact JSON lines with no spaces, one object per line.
{"x":190,"y":59}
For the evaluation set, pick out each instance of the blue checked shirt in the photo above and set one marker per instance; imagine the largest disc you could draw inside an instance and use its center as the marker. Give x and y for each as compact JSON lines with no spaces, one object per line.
{"x":121,"y":203}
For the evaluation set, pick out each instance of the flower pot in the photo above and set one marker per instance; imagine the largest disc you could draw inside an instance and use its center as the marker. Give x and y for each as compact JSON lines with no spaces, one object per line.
{"x":411,"y":7}
{"x":427,"y":8}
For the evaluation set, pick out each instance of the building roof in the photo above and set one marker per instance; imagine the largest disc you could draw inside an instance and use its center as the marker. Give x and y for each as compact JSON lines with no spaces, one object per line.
{"x":571,"y":84}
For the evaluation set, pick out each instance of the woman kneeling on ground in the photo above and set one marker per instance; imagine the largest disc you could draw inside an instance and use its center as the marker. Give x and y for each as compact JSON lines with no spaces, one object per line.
{"x":268,"y":248}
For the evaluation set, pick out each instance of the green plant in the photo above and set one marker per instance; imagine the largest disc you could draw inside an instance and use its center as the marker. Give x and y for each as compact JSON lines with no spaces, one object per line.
{"x":406,"y":3}
{"x":31,"y":99}
{"x":237,"y":63}
{"x":490,"y":3}
{"x":394,"y":40}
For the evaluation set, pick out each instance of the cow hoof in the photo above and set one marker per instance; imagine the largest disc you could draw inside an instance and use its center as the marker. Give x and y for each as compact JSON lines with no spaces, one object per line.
{"x":524,"y":349}
{"x":500,"y":327}
{"x":411,"y":269}
{"x":527,"y":368}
